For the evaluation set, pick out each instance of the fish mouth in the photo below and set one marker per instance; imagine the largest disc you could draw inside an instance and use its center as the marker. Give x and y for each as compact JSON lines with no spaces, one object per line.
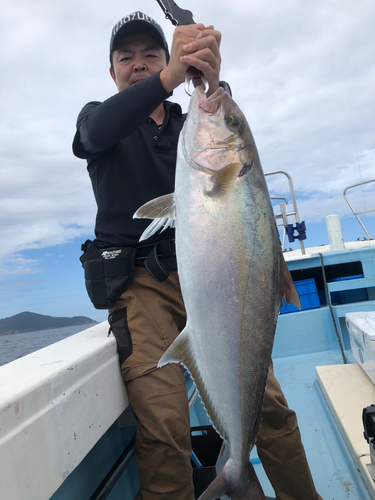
{"x":212,"y":105}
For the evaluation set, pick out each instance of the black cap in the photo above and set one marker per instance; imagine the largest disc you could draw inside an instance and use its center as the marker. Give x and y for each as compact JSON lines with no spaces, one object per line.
{"x":137,"y":23}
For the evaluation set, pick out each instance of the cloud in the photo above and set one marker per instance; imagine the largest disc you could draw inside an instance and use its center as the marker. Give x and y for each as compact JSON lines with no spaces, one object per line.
{"x":46,"y":200}
{"x":17,"y":265}
{"x":302,"y":72}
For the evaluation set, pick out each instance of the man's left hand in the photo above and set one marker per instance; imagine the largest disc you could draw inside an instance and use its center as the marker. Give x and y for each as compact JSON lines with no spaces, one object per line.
{"x":204,"y":54}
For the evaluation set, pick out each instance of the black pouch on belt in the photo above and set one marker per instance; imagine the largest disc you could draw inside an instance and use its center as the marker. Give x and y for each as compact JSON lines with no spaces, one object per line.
{"x":107,"y":272}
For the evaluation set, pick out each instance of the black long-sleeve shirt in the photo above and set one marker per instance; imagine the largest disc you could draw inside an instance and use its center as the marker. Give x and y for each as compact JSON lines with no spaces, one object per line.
{"x":129,"y":159}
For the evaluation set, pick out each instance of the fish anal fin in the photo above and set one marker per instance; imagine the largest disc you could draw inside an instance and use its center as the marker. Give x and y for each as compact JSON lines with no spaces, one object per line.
{"x":162,"y":210}
{"x":181,"y":352}
{"x":224,"y":178}
{"x":178,"y":351}
{"x":288,"y":289}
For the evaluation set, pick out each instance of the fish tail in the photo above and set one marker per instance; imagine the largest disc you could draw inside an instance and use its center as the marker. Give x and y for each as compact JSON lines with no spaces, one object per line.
{"x":216,"y":489}
{"x":222,"y":485}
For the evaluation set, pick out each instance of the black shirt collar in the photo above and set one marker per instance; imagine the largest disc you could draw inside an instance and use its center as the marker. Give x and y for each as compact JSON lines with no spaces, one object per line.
{"x":173,"y":107}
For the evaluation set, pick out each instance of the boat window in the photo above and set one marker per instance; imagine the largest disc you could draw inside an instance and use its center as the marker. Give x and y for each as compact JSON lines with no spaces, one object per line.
{"x":335,"y":272}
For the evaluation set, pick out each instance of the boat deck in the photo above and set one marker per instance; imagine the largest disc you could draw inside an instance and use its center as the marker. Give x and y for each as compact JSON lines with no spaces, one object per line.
{"x":334,"y":471}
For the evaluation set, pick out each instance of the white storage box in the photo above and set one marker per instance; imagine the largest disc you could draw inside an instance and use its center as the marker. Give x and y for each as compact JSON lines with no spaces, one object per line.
{"x":361,"y":328}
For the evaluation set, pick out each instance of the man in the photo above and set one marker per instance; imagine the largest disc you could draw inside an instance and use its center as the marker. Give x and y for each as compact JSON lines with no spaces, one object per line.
{"x":130,"y":144}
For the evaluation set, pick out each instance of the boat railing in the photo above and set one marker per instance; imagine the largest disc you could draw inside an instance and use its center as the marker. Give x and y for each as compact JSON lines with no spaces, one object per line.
{"x":56,"y":404}
{"x":284,"y":209}
{"x":356,"y":214}
{"x":283,"y":215}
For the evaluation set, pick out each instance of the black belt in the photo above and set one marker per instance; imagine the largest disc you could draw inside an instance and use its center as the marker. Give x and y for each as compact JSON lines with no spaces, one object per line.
{"x":150,"y":255}
{"x":165,"y":248}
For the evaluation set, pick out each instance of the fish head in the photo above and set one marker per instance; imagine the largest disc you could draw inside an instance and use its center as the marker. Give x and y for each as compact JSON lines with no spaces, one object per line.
{"x":216,"y":134}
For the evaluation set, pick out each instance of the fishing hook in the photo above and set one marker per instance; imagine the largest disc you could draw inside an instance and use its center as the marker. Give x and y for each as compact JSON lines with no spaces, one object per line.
{"x":188,"y":79}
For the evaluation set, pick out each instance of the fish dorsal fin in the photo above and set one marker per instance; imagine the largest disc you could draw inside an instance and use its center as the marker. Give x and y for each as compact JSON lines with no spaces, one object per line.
{"x":256,"y":428}
{"x":224,"y":178}
{"x":288,"y":289}
{"x":162,"y":210}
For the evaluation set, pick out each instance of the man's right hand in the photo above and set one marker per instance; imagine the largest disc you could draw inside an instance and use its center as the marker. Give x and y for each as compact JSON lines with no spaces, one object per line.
{"x":193,"y":45}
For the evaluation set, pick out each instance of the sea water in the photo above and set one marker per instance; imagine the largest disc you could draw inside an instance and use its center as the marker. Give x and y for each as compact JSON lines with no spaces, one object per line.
{"x":16,"y":345}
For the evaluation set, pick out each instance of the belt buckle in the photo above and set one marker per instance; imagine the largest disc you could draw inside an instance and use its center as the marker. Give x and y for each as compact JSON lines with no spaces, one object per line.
{"x":165,"y":248}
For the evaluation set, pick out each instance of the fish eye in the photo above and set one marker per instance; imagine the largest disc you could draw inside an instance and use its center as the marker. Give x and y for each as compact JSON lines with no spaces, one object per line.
{"x":231,"y":121}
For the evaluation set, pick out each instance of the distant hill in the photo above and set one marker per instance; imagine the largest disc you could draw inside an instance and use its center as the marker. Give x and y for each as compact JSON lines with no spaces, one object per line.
{"x":30,"y":322}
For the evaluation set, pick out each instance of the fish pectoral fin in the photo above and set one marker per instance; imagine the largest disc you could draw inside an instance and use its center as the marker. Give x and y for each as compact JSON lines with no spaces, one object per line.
{"x":180,"y":350}
{"x":288,"y":289}
{"x":224,"y":179}
{"x":162,"y":210}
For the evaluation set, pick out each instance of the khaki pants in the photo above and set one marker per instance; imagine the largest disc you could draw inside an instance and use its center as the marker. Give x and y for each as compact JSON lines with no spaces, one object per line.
{"x":280,"y":448}
{"x":145,"y":321}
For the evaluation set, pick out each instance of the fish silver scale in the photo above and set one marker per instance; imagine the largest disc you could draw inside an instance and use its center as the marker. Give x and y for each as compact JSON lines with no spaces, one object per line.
{"x":223,"y":246}
{"x":229,"y":262}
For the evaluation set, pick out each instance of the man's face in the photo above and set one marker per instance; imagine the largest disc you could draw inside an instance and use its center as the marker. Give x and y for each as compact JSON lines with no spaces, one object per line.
{"x":136,"y":58}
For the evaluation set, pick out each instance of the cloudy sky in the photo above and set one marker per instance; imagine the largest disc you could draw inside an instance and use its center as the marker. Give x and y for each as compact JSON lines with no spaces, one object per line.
{"x":302,"y":71}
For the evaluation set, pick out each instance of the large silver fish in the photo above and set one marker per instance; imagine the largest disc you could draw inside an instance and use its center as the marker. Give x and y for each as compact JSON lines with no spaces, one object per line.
{"x":233,"y":277}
